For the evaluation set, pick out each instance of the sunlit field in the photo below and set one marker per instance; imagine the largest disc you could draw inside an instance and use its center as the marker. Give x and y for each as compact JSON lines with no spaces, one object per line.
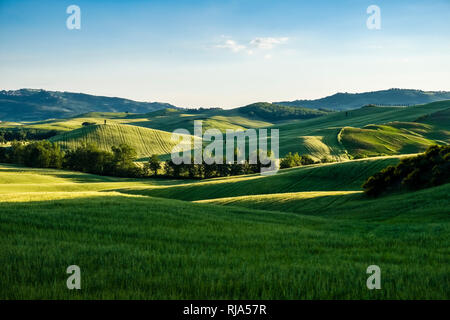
{"x":285,"y":246}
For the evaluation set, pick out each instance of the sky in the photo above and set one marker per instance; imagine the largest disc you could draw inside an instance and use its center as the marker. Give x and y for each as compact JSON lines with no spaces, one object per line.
{"x":224,"y":53}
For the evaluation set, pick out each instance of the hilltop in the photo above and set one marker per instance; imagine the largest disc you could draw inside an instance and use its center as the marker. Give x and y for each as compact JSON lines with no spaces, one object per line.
{"x":391,"y":97}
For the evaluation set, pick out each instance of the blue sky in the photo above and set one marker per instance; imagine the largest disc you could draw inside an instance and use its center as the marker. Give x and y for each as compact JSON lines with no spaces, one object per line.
{"x":224,"y":53}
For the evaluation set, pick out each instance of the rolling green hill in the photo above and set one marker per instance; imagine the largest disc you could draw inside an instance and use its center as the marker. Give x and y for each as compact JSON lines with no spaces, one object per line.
{"x":403,"y":207}
{"x":374,"y":140}
{"x":322,"y":137}
{"x":348,"y":101}
{"x":257,"y":115}
{"x":343,"y":176}
{"x":145,"y":141}
{"x":171,"y":120}
{"x":438,"y":125}
{"x":168,"y":119}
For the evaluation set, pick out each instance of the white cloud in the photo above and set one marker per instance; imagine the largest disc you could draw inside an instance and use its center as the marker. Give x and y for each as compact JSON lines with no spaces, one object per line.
{"x":232,"y":45}
{"x":255,"y":44}
{"x":267,"y":43}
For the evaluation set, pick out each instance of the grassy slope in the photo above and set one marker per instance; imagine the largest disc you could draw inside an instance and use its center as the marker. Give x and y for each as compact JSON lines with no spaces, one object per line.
{"x":143,"y":247}
{"x":253,"y":116}
{"x":320,"y":136}
{"x":438,"y":124}
{"x":166,"y":120}
{"x":346,"y":176}
{"x":72,"y":123}
{"x":145,"y":141}
{"x":218,"y":119}
{"x":405,"y":207}
{"x":373,"y":140}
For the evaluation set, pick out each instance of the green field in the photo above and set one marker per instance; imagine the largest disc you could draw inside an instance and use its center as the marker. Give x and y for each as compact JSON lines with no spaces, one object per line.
{"x":143,"y":140}
{"x":312,"y":239}
{"x":343,"y":176}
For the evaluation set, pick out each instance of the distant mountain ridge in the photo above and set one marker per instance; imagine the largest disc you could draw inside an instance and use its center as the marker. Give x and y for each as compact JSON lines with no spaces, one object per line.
{"x":348,"y":101}
{"x":37,"y":104}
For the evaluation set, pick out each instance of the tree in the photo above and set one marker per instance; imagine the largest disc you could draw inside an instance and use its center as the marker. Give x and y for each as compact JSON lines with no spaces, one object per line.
{"x":124,"y":155}
{"x":153,"y":164}
{"x":291,"y":160}
{"x":172,"y":169}
{"x":306,"y":160}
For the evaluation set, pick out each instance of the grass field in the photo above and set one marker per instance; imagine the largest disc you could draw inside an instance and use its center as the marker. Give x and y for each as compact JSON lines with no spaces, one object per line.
{"x":373,"y":140}
{"x":145,"y":141}
{"x":312,"y":243}
{"x":343,"y":176}
{"x":165,"y":120}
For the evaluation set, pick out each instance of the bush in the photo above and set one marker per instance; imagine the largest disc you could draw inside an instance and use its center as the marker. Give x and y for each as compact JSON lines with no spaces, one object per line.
{"x":295,"y":160}
{"x":86,"y":124}
{"x":426,"y":170}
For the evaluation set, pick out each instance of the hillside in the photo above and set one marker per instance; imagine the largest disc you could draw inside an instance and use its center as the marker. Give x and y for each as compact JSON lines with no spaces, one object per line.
{"x":375,"y":140}
{"x":32,"y":105}
{"x":349,"y":204}
{"x":257,"y":115}
{"x":343,"y":176}
{"x":169,"y":119}
{"x":348,"y":134}
{"x":438,"y":125}
{"x":392,"y":97}
{"x":145,"y":141}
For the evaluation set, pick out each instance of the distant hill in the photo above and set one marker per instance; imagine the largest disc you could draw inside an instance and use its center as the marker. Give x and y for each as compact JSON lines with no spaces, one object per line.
{"x":276,"y":112}
{"x":257,"y":115}
{"x":33,"y":105}
{"x":391,"y":97}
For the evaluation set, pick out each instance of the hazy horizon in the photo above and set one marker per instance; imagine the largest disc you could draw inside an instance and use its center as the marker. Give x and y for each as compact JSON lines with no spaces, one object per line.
{"x":232,"y":107}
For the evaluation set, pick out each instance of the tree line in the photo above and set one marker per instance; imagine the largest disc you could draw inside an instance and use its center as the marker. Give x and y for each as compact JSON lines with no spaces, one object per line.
{"x":87,"y":158}
{"x":25,"y":134}
{"x":429,"y":169}
{"x":120,"y":161}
